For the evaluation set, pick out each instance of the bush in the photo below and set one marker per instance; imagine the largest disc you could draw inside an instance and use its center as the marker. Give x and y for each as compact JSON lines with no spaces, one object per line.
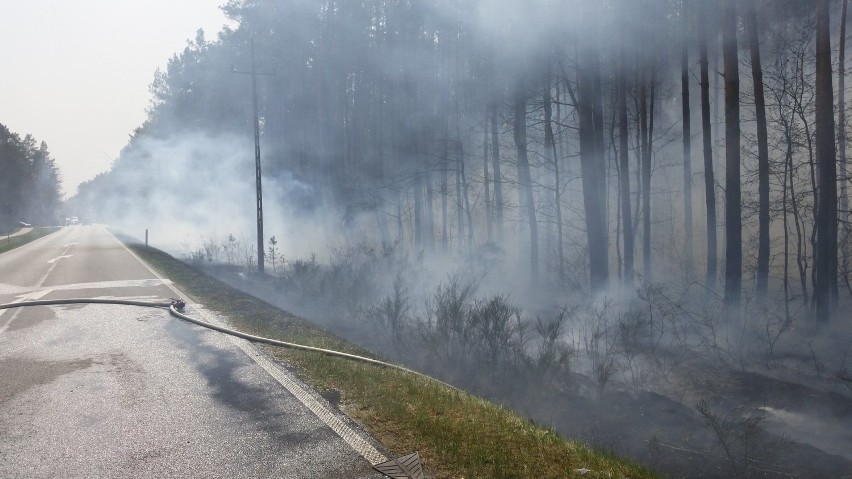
{"x":484,"y":340}
{"x":303,"y":278}
{"x":553,"y":357}
{"x":391,"y":314}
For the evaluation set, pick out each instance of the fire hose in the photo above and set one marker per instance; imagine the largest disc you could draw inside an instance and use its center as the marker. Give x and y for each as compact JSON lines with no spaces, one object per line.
{"x":176,"y":307}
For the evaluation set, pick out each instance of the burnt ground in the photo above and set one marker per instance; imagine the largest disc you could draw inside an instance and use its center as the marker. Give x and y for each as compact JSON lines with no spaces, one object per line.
{"x":765,"y":426}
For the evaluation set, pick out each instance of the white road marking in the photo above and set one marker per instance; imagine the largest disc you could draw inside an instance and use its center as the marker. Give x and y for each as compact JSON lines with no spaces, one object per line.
{"x":60,"y":257}
{"x":12,"y":289}
{"x":22,"y":298}
{"x":50,"y":270}
{"x":31,"y":294}
{"x":34,"y":295}
{"x":15,"y":313}
{"x":128,"y":283}
{"x":361,"y":446}
{"x":15,"y":290}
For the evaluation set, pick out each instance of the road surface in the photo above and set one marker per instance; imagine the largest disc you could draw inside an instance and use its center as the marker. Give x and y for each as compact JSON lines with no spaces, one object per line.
{"x":123,"y":391}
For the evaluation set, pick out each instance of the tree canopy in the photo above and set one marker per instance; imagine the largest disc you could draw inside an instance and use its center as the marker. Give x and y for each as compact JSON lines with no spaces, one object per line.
{"x":29,"y":181}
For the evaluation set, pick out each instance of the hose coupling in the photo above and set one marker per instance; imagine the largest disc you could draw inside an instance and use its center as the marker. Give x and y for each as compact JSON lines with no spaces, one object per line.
{"x":178,"y":303}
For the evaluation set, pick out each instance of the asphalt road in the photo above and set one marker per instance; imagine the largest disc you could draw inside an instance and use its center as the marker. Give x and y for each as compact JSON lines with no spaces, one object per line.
{"x":123,"y":391}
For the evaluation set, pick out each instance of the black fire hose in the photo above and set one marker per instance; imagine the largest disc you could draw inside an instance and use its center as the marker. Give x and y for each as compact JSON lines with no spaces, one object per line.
{"x":175,"y":307}
{"x":57,"y":302}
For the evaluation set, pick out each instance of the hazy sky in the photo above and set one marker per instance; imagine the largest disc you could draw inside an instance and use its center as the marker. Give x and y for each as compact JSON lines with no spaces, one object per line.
{"x":75,"y":73}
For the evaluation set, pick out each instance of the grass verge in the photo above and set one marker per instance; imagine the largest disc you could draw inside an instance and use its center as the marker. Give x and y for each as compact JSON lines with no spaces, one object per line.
{"x":12,"y":242}
{"x":458,"y":435}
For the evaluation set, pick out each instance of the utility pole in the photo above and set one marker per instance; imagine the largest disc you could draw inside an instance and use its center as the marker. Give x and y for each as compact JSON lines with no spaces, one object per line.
{"x":254,"y":73}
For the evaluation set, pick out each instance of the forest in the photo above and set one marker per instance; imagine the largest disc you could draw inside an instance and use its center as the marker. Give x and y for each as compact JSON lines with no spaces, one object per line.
{"x":30,"y":187}
{"x":451,"y":126}
{"x":546,"y":189}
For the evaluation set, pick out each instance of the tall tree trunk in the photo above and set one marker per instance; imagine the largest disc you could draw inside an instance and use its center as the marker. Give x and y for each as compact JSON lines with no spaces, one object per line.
{"x":826,"y":221}
{"x":718,"y":87}
{"x":624,"y":166}
{"x":486,"y":179}
{"x":786,"y":274}
{"x":687,"y":143}
{"x":707,"y":136}
{"x":801,"y":257}
{"x":524,"y":177}
{"x":468,"y":214}
{"x":601,"y":165}
{"x":458,"y":152}
{"x":552,"y":158}
{"x":429,"y":223}
{"x":841,"y":138}
{"x":460,"y":235}
{"x":592,"y":166}
{"x":733,"y":195}
{"x":561,"y":138}
{"x":645,"y":175}
{"x":640,"y":145}
{"x":498,"y":178}
{"x":762,"y":155}
{"x":445,"y":185}
{"x":418,"y":212}
{"x":805,"y":118}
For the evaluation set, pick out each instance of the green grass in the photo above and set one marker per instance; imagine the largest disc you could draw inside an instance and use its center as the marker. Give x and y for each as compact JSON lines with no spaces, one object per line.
{"x":12,"y":242}
{"x":458,"y":435}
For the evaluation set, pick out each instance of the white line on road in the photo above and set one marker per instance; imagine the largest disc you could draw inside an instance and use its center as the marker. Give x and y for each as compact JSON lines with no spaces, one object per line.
{"x":52,"y":267}
{"x":22,"y":298}
{"x":361,"y":446}
{"x":127,"y":283}
{"x":34,"y":295}
{"x":60,"y":257}
{"x":15,"y":313}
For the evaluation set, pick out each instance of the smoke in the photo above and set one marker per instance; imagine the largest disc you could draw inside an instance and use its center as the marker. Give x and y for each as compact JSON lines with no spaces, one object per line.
{"x":194,"y":187}
{"x":369,"y":107}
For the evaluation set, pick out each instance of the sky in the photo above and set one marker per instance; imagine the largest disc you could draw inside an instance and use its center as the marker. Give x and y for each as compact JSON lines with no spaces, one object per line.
{"x":75,"y":73}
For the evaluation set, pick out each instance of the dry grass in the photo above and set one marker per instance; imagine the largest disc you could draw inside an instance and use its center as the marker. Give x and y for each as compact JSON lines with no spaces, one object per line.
{"x":10,"y":243}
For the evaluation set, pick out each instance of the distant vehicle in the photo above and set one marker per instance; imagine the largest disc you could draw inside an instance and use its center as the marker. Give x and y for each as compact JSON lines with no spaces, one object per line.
{"x":74,"y":220}
{"x":23,"y":225}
